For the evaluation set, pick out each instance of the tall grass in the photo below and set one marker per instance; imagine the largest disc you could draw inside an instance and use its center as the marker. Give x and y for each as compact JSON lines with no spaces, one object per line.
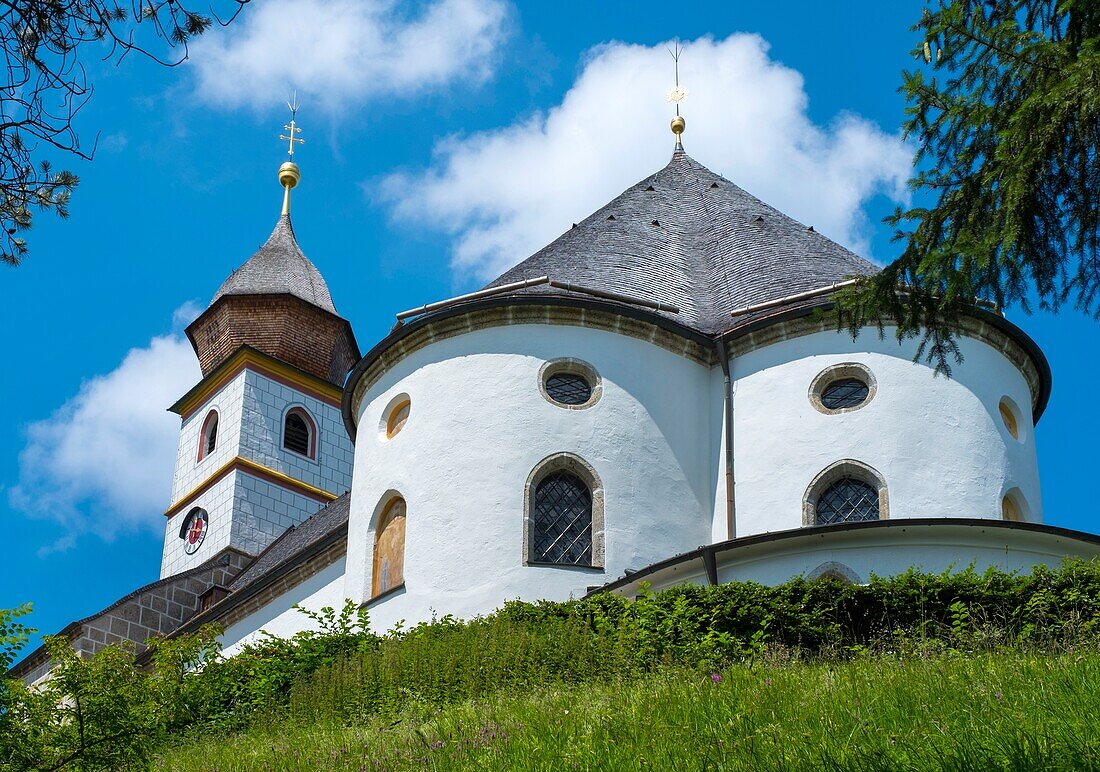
{"x":1005,"y":710}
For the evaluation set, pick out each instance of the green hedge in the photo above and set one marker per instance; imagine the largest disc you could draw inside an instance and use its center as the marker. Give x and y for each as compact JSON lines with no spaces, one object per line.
{"x":345,"y":673}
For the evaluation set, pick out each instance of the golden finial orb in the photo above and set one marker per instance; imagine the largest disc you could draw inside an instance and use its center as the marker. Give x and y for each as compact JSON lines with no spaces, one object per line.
{"x":289,"y":174}
{"x":678,"y":125}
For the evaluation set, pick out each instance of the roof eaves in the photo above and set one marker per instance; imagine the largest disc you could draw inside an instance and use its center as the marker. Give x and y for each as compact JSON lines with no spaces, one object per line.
{"x":701,"y":553}
{"x":502,"y":301}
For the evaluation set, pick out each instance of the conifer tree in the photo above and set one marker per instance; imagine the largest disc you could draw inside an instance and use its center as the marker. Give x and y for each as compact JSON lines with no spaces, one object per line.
{"x":1005,"y":108}
{"x":45,"y":45}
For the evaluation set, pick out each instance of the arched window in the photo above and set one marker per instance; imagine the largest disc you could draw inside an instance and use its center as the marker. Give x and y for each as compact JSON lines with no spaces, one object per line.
{"x":208,"y":438}
{"x":1014,"y":506}
{"x":846,"y":500}
{"x":563,"y":514}
{"x":846,"y":492}
{"x":299,"y":433}
{"x":389,"y":548}
{"x":561,"y":521}
{"x":834,"y":570}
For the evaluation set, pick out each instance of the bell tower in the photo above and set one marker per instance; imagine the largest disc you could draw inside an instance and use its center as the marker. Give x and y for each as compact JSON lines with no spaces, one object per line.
{"x":262,"y":443}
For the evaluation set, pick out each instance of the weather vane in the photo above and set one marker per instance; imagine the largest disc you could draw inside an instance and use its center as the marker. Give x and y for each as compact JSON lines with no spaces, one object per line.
{"x":677,"y":95}
{"x":292,"y":127}
{"x":289,"y":173}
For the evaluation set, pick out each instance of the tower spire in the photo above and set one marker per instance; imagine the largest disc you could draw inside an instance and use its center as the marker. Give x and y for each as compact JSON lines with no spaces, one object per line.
{"x":677,"y":95}
{"x":289,"y":173}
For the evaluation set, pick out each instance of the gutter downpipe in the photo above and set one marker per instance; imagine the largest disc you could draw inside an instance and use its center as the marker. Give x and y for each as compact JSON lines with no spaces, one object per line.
{"x":727,"y":420}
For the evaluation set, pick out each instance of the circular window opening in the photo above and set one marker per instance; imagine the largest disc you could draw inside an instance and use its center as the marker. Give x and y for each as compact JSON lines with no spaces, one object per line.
{"x":842,"y":388}
{"x":569,"y":388}
{"x":847,"y":392}
{"x":398,"y":416}
{"x":194,"y":530}
{"x":570,"y":383}
{"x":1008,"y":412}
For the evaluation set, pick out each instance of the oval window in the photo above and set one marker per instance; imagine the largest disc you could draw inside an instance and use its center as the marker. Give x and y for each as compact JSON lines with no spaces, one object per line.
{"x":1008,"y":412}
{"x":398,"y":416}
{"x":845,"y":393}
{"x":842,"y":388}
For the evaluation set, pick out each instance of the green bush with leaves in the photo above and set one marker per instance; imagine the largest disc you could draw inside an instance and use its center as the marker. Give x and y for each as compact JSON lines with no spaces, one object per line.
{"x":106,"y":712}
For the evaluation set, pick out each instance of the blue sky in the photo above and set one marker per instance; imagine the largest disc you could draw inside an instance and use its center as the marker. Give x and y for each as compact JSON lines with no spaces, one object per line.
{"x":446,"y":140}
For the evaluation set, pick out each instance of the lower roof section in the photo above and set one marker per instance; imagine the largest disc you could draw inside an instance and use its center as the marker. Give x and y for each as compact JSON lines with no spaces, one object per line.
{"x":855,"y":551}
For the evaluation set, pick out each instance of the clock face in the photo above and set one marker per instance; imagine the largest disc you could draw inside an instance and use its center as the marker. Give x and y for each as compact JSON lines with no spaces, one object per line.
{"x":196,"y":531}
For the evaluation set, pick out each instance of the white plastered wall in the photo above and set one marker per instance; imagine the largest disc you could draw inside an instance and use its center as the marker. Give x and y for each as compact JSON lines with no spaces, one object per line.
{"x":190,"y":471}
{"x":479,"y":425}
{"x":938,"y":442}
{"x":279,"y":617}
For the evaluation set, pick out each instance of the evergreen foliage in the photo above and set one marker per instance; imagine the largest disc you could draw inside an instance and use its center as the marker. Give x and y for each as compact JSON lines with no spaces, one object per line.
{"x":44,"y":44}
{"x":1006,"y":112}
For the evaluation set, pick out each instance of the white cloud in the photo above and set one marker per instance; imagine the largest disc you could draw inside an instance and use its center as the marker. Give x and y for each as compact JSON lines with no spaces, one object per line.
{"x":103,"y":461}
{"x":339,"y":51}
{"x":505,"y":193}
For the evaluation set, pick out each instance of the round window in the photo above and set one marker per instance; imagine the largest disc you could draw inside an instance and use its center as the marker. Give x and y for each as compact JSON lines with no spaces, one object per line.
{"x":570,"y":383}
{"x":847,"y":392}
{"x":1008,"y":412}
{"x":569,"y":388}
{"x":842,"y":388}
{"x":194,"y":530}
{"x":398,"y":416}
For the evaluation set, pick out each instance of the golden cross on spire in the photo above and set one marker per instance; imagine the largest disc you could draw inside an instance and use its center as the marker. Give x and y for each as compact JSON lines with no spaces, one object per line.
{"x":289,"y":174}
{"x":292,"y":127}
{"x":677,"y":95}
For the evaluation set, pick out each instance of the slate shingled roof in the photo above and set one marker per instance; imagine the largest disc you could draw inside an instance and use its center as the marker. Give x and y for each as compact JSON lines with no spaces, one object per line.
{"x":296,"y":540}
{"x":689,"y":237}
{"x":279,"y":267}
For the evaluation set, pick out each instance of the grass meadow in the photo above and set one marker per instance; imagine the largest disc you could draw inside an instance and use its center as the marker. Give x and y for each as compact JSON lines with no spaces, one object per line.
{"x":1004,"y":710}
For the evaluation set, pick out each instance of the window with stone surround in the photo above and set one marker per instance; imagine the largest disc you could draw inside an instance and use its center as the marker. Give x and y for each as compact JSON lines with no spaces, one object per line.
{"x":848,"y":491}
{"x":300,"y":433}
{"x":564,"y":514}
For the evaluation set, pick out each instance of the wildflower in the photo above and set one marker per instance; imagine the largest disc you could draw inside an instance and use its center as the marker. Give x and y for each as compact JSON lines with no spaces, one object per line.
{"x":767,"y":682}
{"x":716,"y":677}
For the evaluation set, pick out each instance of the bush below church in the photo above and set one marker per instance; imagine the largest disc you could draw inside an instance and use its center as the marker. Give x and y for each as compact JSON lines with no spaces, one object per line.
{"x":107,"y":712}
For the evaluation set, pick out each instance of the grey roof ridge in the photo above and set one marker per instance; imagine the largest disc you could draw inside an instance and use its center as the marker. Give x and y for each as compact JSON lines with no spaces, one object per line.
{"x":130,"y":596}
{"x":276,"y":572}
{"x":292,"y":530}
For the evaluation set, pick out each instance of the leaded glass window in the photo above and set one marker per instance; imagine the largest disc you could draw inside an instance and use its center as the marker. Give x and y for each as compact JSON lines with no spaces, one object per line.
{"x":847,"y":500}
{"x":296,"y":434}
{"x":569,"y":388}
{"x":561,"y":516}
{"x":847,"y":392}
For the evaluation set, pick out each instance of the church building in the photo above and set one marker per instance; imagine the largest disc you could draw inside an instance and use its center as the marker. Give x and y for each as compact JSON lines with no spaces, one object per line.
{"x":662,"y":395}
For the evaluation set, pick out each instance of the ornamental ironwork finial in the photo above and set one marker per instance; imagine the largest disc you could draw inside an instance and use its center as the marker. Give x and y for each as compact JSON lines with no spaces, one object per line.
{"x":289,"y":174}
{"x":678,"y":94}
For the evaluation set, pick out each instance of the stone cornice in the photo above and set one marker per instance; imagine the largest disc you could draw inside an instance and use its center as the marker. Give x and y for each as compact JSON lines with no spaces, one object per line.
{"x":256,"y":470}
{"x":248,"y":358}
